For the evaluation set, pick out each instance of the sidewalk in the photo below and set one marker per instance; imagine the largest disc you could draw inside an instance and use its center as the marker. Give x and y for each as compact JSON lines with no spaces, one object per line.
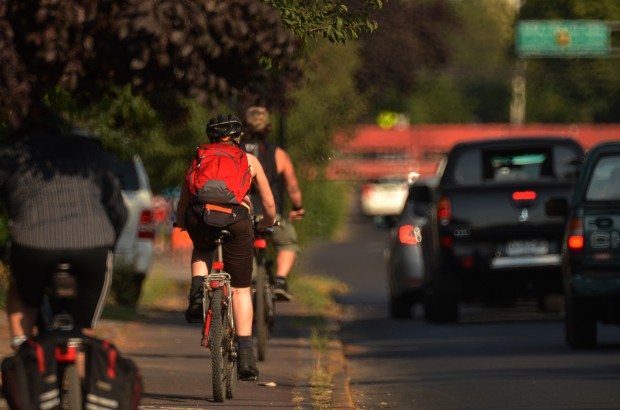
{"x":167,"y":350}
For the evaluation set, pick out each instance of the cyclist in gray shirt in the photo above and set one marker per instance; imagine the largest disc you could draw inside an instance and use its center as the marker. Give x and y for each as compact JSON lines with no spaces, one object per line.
{"x":64,"y":204}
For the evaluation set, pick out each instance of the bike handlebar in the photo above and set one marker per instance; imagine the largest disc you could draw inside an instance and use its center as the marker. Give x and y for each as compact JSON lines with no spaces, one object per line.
{"x":255,"y":222}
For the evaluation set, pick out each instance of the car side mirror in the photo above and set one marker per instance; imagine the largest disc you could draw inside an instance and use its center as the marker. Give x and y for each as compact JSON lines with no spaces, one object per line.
{"x":556,"y":207}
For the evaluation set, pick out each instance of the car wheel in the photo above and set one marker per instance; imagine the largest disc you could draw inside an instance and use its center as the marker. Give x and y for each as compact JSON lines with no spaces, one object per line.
{"x":580,"y":323}
{"x":441,"y":307}
{"x":127,"y":291}
{"x":400,"y":307}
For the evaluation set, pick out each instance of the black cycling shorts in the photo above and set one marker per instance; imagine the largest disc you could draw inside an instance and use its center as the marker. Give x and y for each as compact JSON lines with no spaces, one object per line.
{"x":238,"y":253}
{"x":31,"y":271}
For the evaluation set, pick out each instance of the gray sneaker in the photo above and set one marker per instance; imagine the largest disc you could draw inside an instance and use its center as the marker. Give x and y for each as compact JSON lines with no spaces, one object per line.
{"x":280,"y":289}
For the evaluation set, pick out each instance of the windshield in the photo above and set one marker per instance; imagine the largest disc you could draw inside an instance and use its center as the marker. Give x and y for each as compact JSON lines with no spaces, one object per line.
{"x":604,"y":183}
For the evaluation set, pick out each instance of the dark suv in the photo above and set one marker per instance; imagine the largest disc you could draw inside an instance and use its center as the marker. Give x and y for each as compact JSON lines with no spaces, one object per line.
{"x":591,"y":248}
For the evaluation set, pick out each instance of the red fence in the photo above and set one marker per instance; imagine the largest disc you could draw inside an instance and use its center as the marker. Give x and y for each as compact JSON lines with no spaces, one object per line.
{"x":372,"y":151}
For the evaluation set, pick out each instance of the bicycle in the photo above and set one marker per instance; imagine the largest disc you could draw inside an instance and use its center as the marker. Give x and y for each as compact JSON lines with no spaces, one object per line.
{"x":54,"y":317}
{"x":262,"y":291}
{"x":218,"y":331}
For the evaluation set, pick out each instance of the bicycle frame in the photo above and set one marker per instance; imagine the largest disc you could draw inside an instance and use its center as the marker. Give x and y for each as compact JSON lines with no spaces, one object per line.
{"x":213,"y":282}
{"x":52,"y":316}
{"x":218,"y":332}
{"x":262,"y":289}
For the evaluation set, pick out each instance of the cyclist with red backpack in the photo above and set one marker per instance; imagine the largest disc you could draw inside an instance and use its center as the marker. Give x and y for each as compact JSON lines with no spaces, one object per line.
{"x":214,"y":196}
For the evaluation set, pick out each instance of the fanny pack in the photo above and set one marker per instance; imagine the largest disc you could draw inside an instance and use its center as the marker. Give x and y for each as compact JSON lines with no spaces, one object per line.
{"x":220,"y":216}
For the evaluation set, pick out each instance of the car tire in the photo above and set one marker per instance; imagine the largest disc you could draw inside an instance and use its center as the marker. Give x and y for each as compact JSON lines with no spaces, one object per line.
{"x":441,"y":307}
{"x":129,"y":293}
{"x":400,"y":307}
{"x":580,"y":323}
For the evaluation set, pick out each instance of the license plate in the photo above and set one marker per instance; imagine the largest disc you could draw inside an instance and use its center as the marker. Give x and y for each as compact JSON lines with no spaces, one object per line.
{"x":530,"y":247}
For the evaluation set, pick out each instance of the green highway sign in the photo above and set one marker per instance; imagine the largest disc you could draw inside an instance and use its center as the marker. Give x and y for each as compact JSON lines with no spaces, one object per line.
{"x":563,"y":38}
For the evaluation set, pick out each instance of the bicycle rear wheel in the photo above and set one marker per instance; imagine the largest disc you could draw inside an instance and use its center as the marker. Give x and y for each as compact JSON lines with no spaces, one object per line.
{"x":216,"y":338}
{"x":232,"y":372}
{"x":260,"y":313}
{"x":71,"y":392}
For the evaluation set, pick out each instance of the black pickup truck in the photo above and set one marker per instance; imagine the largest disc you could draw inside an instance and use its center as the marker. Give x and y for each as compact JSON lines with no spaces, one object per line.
{"x":490,"y":237}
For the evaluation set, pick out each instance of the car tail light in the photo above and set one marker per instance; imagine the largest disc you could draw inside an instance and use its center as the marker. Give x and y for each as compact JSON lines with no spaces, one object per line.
{"x":146,"y":227}
{"x":467,"y":262}
{"x":524,"y":198}
{"x":447,"y":241}
{"x":260,"y":243}
{"x":367,"y":189}
{"x":524,"y":195}
{"x":575,"y":235}
{"x":409,"y":235}
{"x":444,"y":211}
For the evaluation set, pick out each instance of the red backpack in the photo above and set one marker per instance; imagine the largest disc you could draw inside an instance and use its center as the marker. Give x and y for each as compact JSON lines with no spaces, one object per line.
{"x":218,"y":180}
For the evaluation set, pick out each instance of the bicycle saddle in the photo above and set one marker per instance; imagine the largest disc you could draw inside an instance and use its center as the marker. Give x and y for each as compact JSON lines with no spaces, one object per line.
{"x":225,"y":235}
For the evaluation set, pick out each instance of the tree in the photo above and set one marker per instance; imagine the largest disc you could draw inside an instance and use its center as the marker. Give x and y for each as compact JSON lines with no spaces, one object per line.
{"x":331,"y":19}
{"x":412,"y":36}
{"x":208,"y":49}
{"x":569,"y":90}
{"x":474,"y":83}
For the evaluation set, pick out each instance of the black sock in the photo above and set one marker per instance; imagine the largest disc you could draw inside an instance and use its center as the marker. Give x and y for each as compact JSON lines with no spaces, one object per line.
{"x":197,"y":282}
{"x":245,"y":342}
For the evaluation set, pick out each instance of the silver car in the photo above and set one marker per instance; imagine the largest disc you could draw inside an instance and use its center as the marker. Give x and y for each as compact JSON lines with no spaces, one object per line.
{"x":403,"y":256}
{"x":133,"y":255}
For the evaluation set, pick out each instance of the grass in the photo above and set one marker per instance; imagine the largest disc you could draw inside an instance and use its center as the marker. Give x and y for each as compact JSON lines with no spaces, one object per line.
{"x":316,"y":291}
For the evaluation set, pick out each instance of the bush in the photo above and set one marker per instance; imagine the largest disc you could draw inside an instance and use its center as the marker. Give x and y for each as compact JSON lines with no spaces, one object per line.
{"x":126,"y":284}
{"x":326,"y":204}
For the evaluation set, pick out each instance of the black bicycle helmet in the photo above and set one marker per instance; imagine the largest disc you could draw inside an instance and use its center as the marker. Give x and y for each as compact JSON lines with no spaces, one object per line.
{"x":223,"y":126}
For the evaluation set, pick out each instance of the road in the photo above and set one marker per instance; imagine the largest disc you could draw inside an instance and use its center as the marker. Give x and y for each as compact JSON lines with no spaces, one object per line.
{"x":511,"y":358}
{"x":495,"y":359}
{"x":176,"y":369}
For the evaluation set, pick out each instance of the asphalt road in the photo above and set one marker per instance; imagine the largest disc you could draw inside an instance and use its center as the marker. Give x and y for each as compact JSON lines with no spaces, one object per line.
{"x":510,"y":358}
{"x":176,"y":367}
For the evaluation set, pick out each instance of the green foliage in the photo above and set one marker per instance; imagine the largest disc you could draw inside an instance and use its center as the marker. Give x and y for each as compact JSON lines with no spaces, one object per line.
{"x":474,"y":84}
{"x":123,"y":290}
{"x":126,"y":121}
{"x":208,"y":50}
{"x":328,"y":102}
{"x":412,"y":36}
{"x":568,"y":90}
{"x":333,"y":20}
{"x":326,"y":204}
{"x":438,"y":99}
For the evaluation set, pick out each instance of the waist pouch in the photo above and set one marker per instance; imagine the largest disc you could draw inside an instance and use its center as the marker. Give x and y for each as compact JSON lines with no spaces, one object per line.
{"x":220,"y":216}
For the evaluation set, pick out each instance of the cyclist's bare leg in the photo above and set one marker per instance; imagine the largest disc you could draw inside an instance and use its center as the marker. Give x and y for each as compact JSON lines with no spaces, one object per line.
{"x":284,"y":262}
{"x":285,"y":259}
{"x":242,"y":311}
{"x":201,"y":260}
{"x":21,"y":317}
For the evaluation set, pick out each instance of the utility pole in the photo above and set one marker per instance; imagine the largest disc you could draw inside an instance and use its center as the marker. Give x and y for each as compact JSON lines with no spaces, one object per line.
{"x":517,"y":104}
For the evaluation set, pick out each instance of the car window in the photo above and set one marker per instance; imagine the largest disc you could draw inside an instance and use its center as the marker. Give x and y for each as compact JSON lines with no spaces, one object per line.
{"x":517,"y":165}
{"x":604,"y":181}
{"x":125,"y":171}
{"x":521,"y":164}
